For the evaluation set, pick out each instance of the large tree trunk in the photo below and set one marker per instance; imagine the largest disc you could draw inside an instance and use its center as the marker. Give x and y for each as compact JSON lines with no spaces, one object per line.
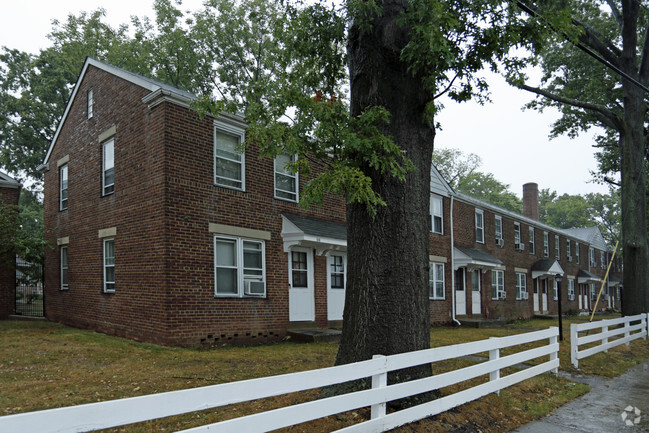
{"x":386,"y":304}
{"x":634,"y":213}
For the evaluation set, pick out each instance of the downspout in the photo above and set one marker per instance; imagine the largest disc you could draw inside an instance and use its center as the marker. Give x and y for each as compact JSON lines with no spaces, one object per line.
{"x":453,"y":268}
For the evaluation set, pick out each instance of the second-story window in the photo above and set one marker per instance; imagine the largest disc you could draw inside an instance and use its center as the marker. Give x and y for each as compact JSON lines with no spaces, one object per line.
{"x":591,"y":257}
{"x":546,"y":244}
{"x":91,"y":104}
{"x":602,"y":259}
{"x":436,"y":214}
{"x":479,"y":226}
{"x":532,"y":251}
{"x":568,"y":250}
{"x":228,"y":159}
{"x":517,"y":236}
{"x":108,"y":167}
{"x":286,"y":181}
{"x":498,"y":222}
{"x":63,"y":191}
{"x":557,"y":249}
{"x":577,"y":252}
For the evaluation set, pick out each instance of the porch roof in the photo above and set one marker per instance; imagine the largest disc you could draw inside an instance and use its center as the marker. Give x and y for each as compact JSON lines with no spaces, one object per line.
{"x":614,"y":281}
{"x":546,"y":268}
{"x":472,"y":258}
{"x":586,"y":277}
{"x":323,"y":235}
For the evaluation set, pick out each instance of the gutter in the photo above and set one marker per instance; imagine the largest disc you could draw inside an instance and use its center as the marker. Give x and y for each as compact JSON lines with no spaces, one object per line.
{"x":453,"y":268}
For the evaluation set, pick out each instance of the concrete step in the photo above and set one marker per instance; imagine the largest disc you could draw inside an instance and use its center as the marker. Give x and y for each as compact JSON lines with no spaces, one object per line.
{"x":314,"y":335}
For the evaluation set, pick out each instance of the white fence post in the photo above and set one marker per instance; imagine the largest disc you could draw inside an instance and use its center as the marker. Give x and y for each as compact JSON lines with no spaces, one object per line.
{"x":379,"y":381}
{"x":494,"y":354}
{"x":605,"y":339}
{"x":626,"y":332}
{"x":573,"y":345}
{"x":554,"y":355}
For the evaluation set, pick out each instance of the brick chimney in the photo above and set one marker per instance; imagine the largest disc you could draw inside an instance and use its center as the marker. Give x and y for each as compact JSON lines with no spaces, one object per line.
{"x":531,"y":201}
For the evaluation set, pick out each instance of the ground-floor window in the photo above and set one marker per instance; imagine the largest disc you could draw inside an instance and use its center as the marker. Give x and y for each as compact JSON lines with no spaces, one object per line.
{"x":436,"y":281}
{"x":521,"y":286}
{"x":239,"y":267}
{"x":109,"y":265}
{"x":64,"y":268}
{"x":571,"y":290}
{"x":498,"y":285}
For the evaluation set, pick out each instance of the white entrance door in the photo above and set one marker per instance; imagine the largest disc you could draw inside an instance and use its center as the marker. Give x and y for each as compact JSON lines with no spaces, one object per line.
{"x":581,"y":304}
{"x":336,"y":279}
{"x":544,"y":294}
{"x":476,"y":307}
{"x":536,"y":295}
{"x":460,"y":292}
{"x":301,"y":301}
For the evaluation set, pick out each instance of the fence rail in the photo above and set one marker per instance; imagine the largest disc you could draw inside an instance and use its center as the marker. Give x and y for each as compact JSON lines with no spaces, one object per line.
{"x":623,"y":331}
{"x":115,"y":413}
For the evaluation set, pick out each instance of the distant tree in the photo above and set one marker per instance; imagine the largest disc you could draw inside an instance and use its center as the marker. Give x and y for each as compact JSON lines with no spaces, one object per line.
{"x":21,"y":229}
{"x":454,"y":165}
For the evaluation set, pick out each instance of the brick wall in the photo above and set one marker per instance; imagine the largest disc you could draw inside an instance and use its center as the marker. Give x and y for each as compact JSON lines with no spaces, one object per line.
{"x":8,"y":196}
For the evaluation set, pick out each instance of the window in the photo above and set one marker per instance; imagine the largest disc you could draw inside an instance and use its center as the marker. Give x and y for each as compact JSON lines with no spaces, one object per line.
{"x":499,"y":229}
{"x":436,"y":281}
{"x":228,"y":158}
{"x":568,"y":250}
{"x":593,"y":292}
{"x":91,"y":103}
{"x":286,"y":181}
{"x":532,"y":251}
{"x":109,"y":265}
{"x":517,"y":234}
{"x":108,"y":169}
{"x":498,"y":284}
{"x":577,"y":252}
{"x":64,"y":268}
{"x":557,"y":249}
{"x":571,"y":290}
{"x":591,"y":257}
{"x":556,"y":290}
{"x":479,"y":226}
{"x":337,"y":272}
{"x":63,"y":191}
{"x":602,"y":259}
{"x":436,"y":214}
{"x":546,"y":244}
{"x":521,"y":286}
{"x":239,"y":267}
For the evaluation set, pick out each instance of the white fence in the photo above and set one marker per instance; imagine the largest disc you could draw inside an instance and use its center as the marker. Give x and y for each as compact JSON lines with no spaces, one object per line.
{"x":115,"y":413}
{"x":623,"y":333}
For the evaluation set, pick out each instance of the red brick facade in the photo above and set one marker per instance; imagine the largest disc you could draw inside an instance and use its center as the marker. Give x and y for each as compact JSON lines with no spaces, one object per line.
{"x":9,"y":195}
{"x":166,"y":211}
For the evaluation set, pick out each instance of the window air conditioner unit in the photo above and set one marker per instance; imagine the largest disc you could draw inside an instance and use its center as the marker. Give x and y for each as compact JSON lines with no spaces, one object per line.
{"x":500,"y":242}
{"x":525,"y":296}
{"x":502,"y":295}
{"x":520,"y":247}
{"x":254,"y":288}
{"x":571,"y":297}
{"x":570,"y":258}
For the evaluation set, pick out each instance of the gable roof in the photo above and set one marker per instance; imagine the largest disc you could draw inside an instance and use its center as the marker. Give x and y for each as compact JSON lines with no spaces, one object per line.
{"x":591,"y":235}
{"x":7,"y":181}
{"x":139,"y":80}
{"x":438,"y":184}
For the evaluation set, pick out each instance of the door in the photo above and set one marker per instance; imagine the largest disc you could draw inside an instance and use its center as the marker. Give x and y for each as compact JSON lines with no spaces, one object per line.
{"x":476,"y":307}
{"x":544,"y":295}
{"x":460,"y":292}
{"x":301,"y":301}
{"x":336,"y":280}
{"x":536,"y":295}
{"x":581,"y":304}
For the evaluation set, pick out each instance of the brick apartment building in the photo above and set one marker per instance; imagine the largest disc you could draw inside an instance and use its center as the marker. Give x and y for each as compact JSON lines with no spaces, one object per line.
{"x":9,"y":196}
{"x":166,"y":231}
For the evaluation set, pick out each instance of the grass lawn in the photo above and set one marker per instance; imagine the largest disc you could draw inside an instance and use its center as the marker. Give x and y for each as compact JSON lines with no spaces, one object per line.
{"x":45,"y":365}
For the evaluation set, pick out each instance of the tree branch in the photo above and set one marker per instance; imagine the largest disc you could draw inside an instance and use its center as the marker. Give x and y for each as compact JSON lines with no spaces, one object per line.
{"x":616,"y":13}
{"x":603,"y":114}
{"x":644,"y":59}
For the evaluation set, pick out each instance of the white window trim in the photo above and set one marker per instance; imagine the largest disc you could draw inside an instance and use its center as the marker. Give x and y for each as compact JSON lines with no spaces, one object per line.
{"x":571,"y":289}
{"x":91,"y":103}
{"x":499,"y":287}
{"x":577,"y":257}
{"x":568,"y":250}
{"x":240,"y":267}
{"x":479,"y":228}
{"x":546,"y":244}
{"x":105,"y":266}
{"x":103,"y":167}
{"x":555,"y":287}
{"x":329,"y":263}
{"x":294,"y":176}
{"x":520,"y":288}
{"x":63,"y":168}
{"x":439,"y":199}
{"x":64,"y":286}
{"x":532,"y":243}
{"x":591,"y":257}
{"x":434,"y":281}
{"x":602,"y":258}
{"x":517,"y":229}
{"x":557,"y":247}
{"x":241,"y":134}
{"x":498,"y":219}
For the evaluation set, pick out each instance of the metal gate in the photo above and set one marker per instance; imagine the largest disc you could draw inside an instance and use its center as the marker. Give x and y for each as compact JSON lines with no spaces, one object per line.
{"x":29,"y":289}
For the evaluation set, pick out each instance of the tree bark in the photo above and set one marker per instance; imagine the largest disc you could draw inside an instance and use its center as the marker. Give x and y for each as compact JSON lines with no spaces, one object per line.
{"x":386,"y":304}
{"x":634,"y":213}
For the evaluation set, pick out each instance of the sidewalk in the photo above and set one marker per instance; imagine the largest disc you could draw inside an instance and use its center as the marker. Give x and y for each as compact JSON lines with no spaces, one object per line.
{"x":600,"y":411}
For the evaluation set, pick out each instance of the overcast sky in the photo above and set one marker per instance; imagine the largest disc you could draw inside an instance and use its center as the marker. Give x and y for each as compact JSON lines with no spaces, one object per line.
{"x":513,"y":144}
